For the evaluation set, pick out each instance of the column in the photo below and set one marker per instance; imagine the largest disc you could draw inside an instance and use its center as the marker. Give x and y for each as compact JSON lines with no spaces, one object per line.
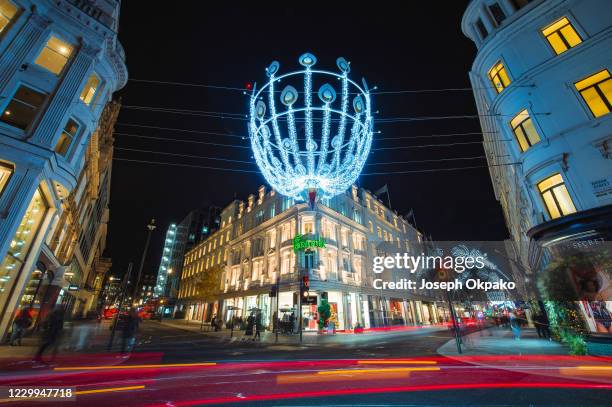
{"x":487,"y":20}
{"x":508,"y":7}
{"x":64,"y":95}
{"x":351,"y":247}
{"x":15,"y":54}
{"x":419,"y":312}
{"x":13,"y":203}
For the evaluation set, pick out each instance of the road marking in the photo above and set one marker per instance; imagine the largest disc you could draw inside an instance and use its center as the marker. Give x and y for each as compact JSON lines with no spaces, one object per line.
{"x":396,"y":362}
{"x":604,"y":371}
{"x":108,"y":390}
{"x":352,"y":374}
{"x":594,"y":367}
{"x":133,"y":366}
{"x":386,"y":370}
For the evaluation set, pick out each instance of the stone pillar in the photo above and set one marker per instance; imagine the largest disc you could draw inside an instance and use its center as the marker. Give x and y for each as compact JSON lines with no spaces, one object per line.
{"x":419,"y":313}
{"x":487,"y":19}
{"x":67,"y":92}
{"x":13,"y":203}
{"x":15,"y":54}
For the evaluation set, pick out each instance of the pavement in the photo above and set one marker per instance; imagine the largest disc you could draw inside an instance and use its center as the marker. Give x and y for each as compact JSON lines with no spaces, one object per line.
{"x":308,"y":338}
{"x":500,"y":341}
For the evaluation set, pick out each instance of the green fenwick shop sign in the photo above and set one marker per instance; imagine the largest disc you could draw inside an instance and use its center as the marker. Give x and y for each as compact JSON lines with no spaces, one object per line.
{"x":299,"y":243}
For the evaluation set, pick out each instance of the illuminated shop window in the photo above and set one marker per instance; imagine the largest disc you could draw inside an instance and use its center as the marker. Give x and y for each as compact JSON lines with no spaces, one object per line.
{"x":561,"y":35}
{"x":499,"y":77}
{"x":524,"y":130}
{"x":6,"y":170}
{"x":8,"y":11}
{"x":91,"y":89}
{"x":556,"y":197}
{"x":54,"y":55}
{"x":23,"y":107}
{"x":596,"y":90}
{"x":66,"y":138}
{"x":21,"y":242}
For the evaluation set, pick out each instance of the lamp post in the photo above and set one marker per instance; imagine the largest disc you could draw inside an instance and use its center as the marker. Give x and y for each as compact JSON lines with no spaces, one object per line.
{"x":151,"y":227}
{"x":121,"y":299}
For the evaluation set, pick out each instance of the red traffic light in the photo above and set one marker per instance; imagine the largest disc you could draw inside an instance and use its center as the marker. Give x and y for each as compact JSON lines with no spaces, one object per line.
{"x":305,"y":282}
{"x":248,"y":86}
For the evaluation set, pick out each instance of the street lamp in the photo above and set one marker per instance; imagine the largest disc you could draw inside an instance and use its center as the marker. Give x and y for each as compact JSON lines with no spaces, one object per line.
{"x":151,"y":227}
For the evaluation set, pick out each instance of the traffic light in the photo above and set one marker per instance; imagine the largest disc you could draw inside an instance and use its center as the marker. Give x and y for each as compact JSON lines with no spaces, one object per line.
{"x":305,"y":286}
{"x":273,"y":292}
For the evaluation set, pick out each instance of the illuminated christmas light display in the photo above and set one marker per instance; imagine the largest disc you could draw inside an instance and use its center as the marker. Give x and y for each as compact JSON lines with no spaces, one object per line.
{"x":304,"y":150}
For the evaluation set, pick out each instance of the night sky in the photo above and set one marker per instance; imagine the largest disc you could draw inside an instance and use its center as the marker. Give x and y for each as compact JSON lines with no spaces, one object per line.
{"x":412,"y":48}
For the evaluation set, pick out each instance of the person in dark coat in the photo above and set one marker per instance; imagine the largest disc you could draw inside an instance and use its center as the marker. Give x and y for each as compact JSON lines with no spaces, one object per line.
{"x":258,"y":326}
{"x":129,"y":331}
{"x":52,"y":333}
{"x":20,"y":325}
{"x":250,"y":325}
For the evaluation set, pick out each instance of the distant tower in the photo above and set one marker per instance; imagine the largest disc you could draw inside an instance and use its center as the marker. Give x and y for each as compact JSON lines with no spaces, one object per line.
{"x":60,"y":63}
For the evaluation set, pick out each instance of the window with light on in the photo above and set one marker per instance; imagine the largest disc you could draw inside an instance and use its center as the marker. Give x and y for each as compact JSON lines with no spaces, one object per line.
{"x":66,"y":138}
{"x":524,"y":130}
{"x":596,"y":90}
{"x":556,"y":197}
{"x":54,"y":55}
{"x":561,"y":35}
{"x":6,"y":170}
{"x":8,"y":11}
{"x":499,"y":77}
{"x":21,"y":241}
{"x":91,"y":89}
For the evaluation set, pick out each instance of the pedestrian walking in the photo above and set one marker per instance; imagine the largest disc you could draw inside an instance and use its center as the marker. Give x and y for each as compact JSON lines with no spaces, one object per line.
{"x":258,"y":327}
{"x":537,"y":321}
{"x":130,"y":328}
{"x":20,"y":325}
{"x":515,"y":325}
{"x":52,"y":332}
{"x":292,"y":322}
{"x":250,"y":325}
{"x":545,"y":326}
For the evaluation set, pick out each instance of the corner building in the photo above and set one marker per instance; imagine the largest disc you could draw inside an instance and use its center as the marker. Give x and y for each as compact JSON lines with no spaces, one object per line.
{"x":543,"y":87}
{"x":60,"y":62}
{"x":254,"y":247}
{"x":542,"y":80}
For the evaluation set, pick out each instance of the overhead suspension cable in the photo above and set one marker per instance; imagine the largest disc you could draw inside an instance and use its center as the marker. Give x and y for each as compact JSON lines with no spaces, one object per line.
{"x":248,"y":147}
{"x":257,"y":172}
{"x":373,"y":91}
{"x":180,"y":140}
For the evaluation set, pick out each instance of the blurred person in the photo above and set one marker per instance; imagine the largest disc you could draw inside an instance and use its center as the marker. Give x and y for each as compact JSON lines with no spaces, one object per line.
{"x":250,"y":325}
{"x":545,"y":326}
{"x":293,"y":322}
{"x":602,"y":316}
{"x":52,"y":332}
{"x":129,"y":331}
{"x":537,"y":321}
{"x":515,"y":325}
{"x":82,"y":332}
{"x":20,"y":325}
{"x":258,"y":326}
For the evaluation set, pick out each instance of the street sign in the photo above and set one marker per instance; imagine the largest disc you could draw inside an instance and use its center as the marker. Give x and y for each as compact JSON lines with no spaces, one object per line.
{"x":310,"y":300}
{"x":73,"y":287}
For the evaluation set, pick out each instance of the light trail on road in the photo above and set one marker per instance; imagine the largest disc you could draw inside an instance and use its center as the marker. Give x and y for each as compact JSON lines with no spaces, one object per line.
{"x":184,"y":384}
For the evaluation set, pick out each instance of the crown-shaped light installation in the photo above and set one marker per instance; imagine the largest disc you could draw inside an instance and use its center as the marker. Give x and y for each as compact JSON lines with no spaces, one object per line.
{"x":317,"y":143}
